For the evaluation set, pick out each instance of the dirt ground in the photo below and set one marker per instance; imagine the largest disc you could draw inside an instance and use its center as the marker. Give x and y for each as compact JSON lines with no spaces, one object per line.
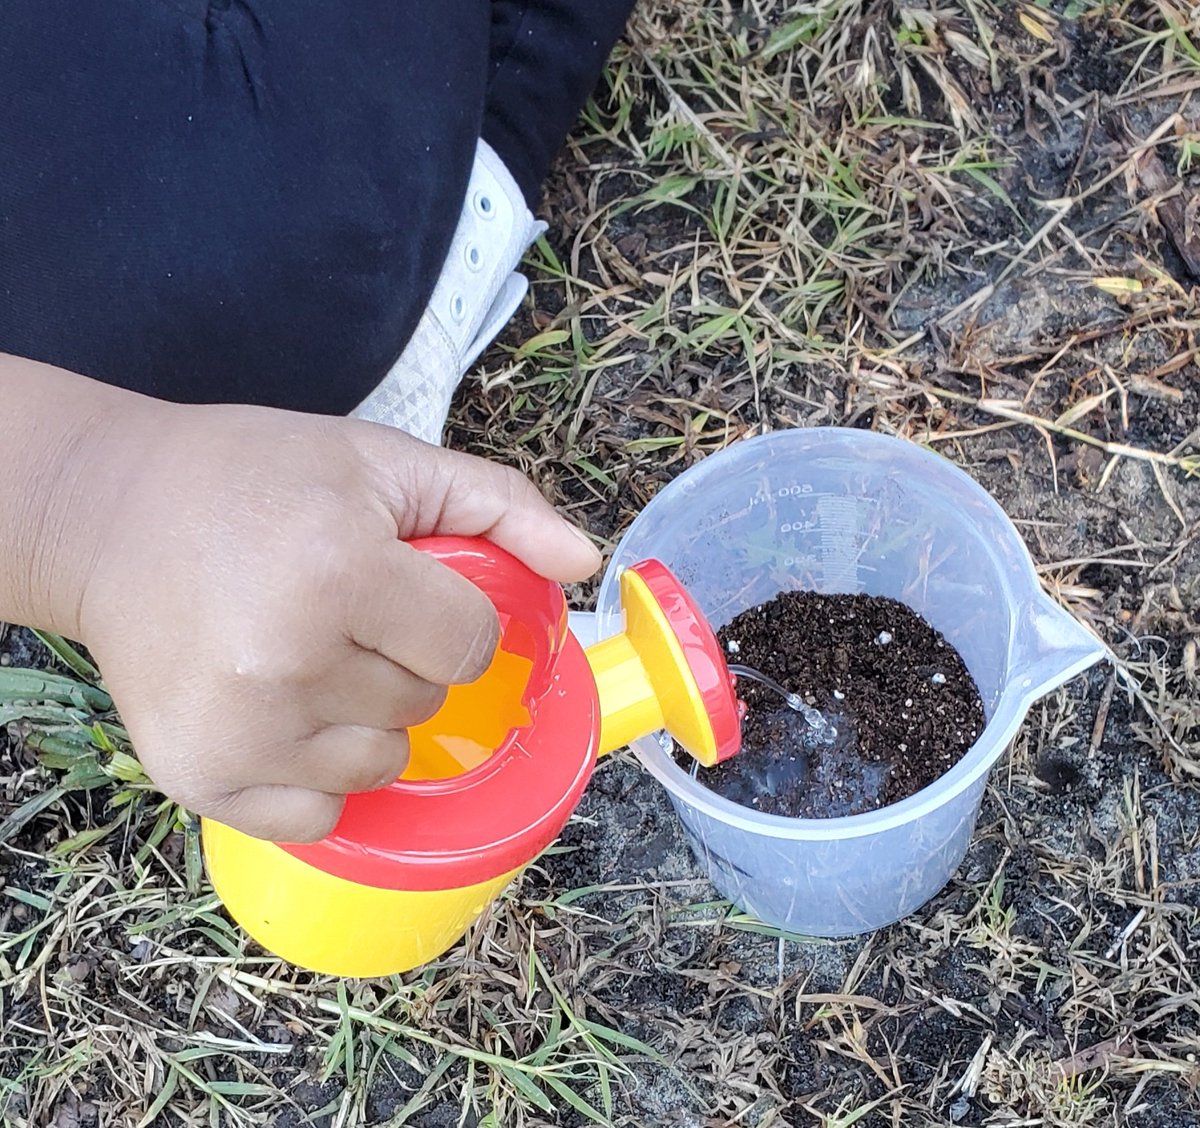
{"x":966,"y":223}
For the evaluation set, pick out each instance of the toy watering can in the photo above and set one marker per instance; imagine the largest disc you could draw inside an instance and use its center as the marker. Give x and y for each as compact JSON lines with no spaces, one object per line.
{"x":492,"y":777}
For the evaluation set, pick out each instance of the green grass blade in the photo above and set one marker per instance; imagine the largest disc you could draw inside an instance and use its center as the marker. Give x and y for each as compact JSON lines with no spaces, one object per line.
{"x":616,"y":1038}
{"x":39,"y":686}
{"x":68,"y":655}
{"x":575,"y":1100}
{"x":161,"y":1101}
{"x":28,"y":810}
{"x":526,"y":1086}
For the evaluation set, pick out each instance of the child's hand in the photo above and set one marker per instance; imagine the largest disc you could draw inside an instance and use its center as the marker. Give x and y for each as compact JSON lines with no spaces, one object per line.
{"x":263,"y":628}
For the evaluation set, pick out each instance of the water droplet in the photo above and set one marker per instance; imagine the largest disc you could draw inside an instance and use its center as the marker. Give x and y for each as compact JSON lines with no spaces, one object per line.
{"x":733,"y":647}
{"x":884,"y":638}
{"x":938,"y":679}
{"x":838,"y":695}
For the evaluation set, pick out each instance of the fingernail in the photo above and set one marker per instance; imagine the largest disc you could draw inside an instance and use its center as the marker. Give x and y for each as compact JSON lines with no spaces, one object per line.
{"x":584,"y":537}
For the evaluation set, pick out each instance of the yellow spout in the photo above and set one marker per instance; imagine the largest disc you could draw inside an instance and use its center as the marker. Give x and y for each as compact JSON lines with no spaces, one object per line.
{"x":644,"y":681}
{"x":628,"y":706}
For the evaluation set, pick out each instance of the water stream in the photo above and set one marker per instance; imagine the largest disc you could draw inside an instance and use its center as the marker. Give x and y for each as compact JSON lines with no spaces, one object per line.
{"x":823,"y":731}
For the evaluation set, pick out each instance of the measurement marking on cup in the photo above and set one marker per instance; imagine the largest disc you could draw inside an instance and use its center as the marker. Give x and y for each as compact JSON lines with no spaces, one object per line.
{"x":766,"y":494}
{"x":838,"y":520}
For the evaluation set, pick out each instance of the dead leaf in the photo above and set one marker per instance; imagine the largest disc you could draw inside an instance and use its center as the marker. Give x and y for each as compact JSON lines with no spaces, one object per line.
{"x":1174,"y":365}
{"x":1035,"y":27}
{"x":957,"y":101}
{"x":607,"y":250}
{"x":1174,"y":210}
{"x":79,"y":970}
{"x":1083,"y":407}
{"x":224,"y":1002}
{"x":1146,"y":384}
{"x":71,"y":1112}
{"x":1099,"y":1056}
{"x":1118,"y":285}
{"x":967,"y":50}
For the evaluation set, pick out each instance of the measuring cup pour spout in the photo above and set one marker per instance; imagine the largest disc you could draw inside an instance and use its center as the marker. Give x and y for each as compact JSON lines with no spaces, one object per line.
{"x":1049,"y":647}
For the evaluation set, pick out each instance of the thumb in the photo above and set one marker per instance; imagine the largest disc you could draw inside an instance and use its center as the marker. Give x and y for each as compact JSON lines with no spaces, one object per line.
{"x":438,"y":492}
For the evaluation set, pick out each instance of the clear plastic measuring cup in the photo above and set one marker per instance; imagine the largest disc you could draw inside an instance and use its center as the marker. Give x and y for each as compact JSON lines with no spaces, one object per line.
{"x":838,"y":510}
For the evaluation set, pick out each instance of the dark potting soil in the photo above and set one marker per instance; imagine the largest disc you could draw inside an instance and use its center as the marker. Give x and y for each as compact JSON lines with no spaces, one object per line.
{"x":903,"y":704}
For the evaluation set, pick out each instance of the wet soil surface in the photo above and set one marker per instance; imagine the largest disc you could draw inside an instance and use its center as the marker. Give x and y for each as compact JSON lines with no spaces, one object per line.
{"x":899,"y":706}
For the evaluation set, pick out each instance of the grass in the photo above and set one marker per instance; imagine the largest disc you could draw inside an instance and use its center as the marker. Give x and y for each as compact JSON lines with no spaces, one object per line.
{"x":924,"y":221}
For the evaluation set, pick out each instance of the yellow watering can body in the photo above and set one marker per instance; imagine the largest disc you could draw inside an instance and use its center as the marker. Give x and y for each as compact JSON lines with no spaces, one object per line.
{"x":492,"y":777}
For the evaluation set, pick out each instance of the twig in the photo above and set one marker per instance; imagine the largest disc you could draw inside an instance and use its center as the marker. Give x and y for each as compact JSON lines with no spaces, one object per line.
{"x":1125,"y":934}
{"x":1101,"y":720}
{"x":1099,"y":1056}
{"x":1155,"y":89}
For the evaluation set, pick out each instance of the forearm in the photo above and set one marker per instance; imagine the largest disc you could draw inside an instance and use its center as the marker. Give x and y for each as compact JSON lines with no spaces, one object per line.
{"x":62,"y":472}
